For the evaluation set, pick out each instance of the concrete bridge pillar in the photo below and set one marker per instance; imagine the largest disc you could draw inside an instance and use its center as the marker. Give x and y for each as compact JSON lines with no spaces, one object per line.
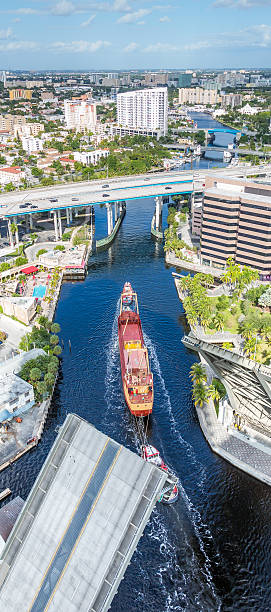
{"x":59,"y":225}
{"x":109,"y":219}
{"x":56,"y":225}
{"x":158,"y":212}
{"x":31,"y":221}
{"x":70,"y":213}
{"x":68,"y":216}
{"x":116,"y":211}
{"x":16,"y":231}
{"x":10,"y":233}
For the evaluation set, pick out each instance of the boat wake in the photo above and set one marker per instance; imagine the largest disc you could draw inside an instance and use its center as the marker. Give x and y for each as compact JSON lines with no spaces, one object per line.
{"x":203,"y":535}
{"x":182,"y":572}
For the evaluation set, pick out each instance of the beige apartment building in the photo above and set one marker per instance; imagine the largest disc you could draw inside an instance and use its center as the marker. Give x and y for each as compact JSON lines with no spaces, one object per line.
{"x":17,"y":125}
{"x":198,"y":95}
{"x":236,"y":222}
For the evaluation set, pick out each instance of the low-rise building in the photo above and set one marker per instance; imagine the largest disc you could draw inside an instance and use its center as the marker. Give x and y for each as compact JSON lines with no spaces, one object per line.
{"x":31,"y":144}
{"x":250,"y":110}
{"x":28,"y":129}
{"x":23,"y":308}
{"x":11,"y":174}
{"x":91,"y":157}
{"x":17,"y":396}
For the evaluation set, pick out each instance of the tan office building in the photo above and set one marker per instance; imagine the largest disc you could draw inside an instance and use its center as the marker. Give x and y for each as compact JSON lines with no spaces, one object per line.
{"x":236,"y":222}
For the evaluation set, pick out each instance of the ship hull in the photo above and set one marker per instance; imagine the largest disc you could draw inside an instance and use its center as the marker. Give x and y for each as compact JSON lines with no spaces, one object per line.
{"x":137,"y":380}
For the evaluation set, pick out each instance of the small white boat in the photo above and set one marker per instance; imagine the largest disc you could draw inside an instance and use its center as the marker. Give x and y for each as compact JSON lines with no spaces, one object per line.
{"x":170,"y":492}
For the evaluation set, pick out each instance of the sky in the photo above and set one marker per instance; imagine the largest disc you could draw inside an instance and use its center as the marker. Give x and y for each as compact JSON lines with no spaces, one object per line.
{"x":129,"y":34}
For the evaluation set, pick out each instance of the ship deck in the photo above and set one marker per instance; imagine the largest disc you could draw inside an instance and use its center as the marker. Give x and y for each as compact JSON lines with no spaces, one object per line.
{"x":131,"y":332}
{"x":135,"y":360}
{"x":80,"y":525}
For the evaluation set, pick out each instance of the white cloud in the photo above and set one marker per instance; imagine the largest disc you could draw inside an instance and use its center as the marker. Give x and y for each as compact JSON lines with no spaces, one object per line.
{"x":244,"y":4}
{"x":164,"y":19}
{"x":134,"y":17}
{"x":79,"y":46}
{"x":63,"y":8}
{"x":19,"y":45}
{"x":254,"y":36}
{"x":86,"y":23}
{"x":4,"y":34}
{"x":161,"y":47}
{"x":133,"y":46}
{"x":25,"y":11}
{"x":121,"y":5}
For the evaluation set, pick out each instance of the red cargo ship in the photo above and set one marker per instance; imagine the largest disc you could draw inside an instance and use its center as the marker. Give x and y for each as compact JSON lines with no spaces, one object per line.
{"x":137,"y":378}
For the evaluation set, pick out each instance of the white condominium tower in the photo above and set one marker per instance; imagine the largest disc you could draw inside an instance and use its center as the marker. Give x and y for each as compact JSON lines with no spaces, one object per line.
{"x":80,"y":115}
{"x":146,"y":108}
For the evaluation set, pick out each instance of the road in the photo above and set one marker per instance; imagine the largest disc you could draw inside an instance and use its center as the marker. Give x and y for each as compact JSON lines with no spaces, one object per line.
{"x":76,"y":195}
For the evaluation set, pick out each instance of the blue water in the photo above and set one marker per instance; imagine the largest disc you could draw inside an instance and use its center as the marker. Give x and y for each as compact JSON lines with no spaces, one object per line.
{"x":39,"y":291}
{"x":211,"y":550}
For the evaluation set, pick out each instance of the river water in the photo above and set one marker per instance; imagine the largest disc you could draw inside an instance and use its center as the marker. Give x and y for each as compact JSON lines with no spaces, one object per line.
{"x":211,"y":550}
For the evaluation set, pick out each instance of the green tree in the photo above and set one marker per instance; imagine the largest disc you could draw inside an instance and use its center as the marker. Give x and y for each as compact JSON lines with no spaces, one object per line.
{"x":54,"y":340}
{"x":35,"y":374}
{"x":55,"y":328}
{"x":200,"y":394}
{"x":198,"y":372}
{"x":57,"y":350}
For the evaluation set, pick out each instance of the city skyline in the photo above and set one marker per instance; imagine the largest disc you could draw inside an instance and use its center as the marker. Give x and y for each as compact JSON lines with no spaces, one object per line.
{"x":124,"y":34}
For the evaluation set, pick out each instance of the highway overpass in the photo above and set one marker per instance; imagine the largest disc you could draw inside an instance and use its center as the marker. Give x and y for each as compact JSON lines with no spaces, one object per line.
{"x":76,"y":195}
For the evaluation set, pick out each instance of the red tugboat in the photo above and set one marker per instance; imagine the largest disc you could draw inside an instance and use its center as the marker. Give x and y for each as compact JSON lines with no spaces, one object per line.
{"x":137,"y":379}
{"x":170,"y":492}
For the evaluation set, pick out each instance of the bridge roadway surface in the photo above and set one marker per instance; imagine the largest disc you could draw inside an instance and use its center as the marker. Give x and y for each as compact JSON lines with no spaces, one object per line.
{"x":120,"y":188}
{"x":79,"y":526}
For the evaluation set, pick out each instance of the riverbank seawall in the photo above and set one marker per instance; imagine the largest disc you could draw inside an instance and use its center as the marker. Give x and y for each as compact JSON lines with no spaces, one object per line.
{"x":105,"y":242}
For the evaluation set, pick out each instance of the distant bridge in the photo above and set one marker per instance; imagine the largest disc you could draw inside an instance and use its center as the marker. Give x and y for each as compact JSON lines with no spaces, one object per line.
{"x":225,"y":130}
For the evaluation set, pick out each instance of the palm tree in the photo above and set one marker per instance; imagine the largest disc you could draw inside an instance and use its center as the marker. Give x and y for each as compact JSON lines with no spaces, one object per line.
{"x":198,"y":373}
{"x":200,"y":394}
{"x":213,"y":393}
{"x":250,"y":346}
{"x":219,"y":321}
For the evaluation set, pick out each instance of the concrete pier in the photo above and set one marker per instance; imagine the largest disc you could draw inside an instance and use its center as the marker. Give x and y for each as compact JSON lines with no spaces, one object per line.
{"x":59,"y":225}
{"x":158,"y":213}
{"x":10,"y":233}
{"x":110,"y":225}
{"x":56,"y":225}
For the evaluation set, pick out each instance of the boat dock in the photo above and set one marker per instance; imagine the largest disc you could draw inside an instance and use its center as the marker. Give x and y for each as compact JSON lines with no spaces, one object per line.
{"x":80,"y":525}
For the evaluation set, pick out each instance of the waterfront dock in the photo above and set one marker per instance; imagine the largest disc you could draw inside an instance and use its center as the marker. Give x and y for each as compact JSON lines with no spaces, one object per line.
{"x":94,"y":497}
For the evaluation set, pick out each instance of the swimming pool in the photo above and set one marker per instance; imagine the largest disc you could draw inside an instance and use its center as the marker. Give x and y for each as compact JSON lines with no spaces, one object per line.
{"x":39,"y":291}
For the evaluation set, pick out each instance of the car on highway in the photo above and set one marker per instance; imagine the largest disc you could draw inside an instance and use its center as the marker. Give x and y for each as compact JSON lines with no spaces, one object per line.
{"x":23,"y":205}
{"x":168,"y":187}
{"x":75,"y":199}
{"x":106,"y":195}
{"x":53,"y":200}
{"x":33,"y":206}
{"x":105,"y":186}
